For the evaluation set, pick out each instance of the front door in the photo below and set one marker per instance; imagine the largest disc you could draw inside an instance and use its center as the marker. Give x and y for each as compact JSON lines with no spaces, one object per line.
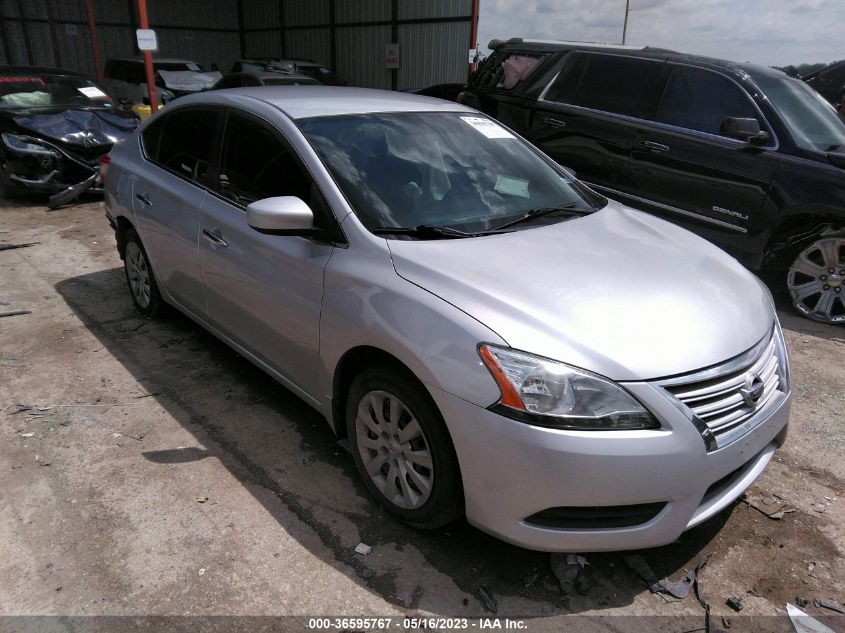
{"x":686,"y":170}
{"x":264,"y":291}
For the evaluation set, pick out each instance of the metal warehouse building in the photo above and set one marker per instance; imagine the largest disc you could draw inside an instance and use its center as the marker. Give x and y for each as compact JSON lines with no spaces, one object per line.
{"x":350,"y":36}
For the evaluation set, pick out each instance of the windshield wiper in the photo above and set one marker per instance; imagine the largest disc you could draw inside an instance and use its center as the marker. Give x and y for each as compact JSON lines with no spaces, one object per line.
{"x":833,"y":147}
{"x":423,"y":230}
{"x":534,"y":213}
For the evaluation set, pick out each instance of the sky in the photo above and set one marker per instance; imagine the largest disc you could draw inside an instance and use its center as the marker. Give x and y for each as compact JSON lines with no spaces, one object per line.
{"x":768,"y":32}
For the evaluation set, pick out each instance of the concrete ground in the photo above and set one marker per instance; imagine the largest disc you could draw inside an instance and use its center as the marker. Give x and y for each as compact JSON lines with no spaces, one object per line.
{"x":147,"y":469}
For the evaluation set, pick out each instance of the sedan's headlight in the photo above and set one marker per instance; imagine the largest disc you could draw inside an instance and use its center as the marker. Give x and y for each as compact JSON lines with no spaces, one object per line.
{"x":27,"y":145}
{"x":547,"y":393}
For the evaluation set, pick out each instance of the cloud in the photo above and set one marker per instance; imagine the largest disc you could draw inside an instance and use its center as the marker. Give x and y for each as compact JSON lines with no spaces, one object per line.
{"x":769,"y":32}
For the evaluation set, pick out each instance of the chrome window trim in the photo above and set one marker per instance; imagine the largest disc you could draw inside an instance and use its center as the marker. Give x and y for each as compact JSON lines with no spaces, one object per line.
{"x":692,"y":214}
{"x":666,"y":126}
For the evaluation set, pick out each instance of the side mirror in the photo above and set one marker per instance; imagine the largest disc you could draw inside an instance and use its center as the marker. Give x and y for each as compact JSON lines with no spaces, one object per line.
{"x":285,"y":215}
{"x":744,"y":129}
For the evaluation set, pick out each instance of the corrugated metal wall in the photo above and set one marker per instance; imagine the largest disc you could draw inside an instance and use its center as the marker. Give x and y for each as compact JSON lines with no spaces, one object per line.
{"x":55,"y":33}
{"x":349,"y":34}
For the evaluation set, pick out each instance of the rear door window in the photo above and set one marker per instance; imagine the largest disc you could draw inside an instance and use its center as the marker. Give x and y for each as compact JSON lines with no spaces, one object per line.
{"x":610,"y":83}
{"x":505,"y":70}
{"x":182,"y":142}
{"x":701,"y":100}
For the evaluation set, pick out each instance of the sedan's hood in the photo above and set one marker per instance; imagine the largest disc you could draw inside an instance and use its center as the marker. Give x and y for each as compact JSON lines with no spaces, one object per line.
{"x":81,"y":129}
{"x":619,"y":292}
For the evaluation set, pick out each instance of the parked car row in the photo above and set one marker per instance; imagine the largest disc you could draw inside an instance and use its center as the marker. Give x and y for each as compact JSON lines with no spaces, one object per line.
{"x":449,"y":297}
{"x":57,"y":125}
{"x":741,"y":154}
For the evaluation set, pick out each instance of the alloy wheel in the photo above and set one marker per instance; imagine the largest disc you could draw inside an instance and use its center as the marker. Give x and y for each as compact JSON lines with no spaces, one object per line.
{"x":138,"y":274}
{"x":816,"y":280}
{"x":394,"y":450}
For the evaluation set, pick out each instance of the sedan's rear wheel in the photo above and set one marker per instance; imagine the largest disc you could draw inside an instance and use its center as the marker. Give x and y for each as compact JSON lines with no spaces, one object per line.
{"x":816,"y":280}
{"x":139,"y":276}
{"x":402,"y":449}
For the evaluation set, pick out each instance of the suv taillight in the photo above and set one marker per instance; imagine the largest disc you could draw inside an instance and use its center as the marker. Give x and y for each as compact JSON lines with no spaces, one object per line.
{"x":105,"y":161}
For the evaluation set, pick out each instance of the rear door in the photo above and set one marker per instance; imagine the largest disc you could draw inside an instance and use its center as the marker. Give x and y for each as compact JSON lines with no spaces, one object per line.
{"x":686,"y":170}
{"x":587,"y":118}
{"x":264,"y":291}
{"x":168,"y":191}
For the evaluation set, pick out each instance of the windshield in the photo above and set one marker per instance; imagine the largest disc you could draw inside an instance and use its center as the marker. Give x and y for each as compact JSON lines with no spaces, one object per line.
{"x":462,"y":171}
{"x":810,"y":119}
{"x":50,"y":91}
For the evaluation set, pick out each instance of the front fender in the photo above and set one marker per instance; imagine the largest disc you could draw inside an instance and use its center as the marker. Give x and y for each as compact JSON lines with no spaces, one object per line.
{"x":366,"y":303}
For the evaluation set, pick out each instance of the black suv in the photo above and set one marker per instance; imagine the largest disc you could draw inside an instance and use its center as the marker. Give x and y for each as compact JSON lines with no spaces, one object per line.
{"x":741,"y":154}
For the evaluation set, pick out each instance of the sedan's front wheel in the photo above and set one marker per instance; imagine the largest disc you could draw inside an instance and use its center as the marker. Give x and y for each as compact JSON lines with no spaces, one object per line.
{"x":402,"y":448}
{"x":139,"y":277}
{"x":816,"y":280}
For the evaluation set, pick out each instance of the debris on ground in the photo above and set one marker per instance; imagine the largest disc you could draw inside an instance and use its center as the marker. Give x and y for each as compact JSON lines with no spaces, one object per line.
{"x":5,"y":246}
{"x":680,"y":588}
{"x":803,"y":623}
{"x":734,"y":603}
{"x":811,"y":567}
{"x":771,"y":506}
{"x":14,"y":313}
{"x":801,"y":602}
{"x":363,"y":549}
{"x":829,"y":604}
{"x":202,"y":499}
{"x":530,"y":580}
{"x":636,"y":563}
{"x":572,"y":573}
{"x":487,"y":599}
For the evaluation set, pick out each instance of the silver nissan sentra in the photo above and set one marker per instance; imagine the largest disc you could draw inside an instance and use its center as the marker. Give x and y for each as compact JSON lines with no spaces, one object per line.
{"x":494,"y":338}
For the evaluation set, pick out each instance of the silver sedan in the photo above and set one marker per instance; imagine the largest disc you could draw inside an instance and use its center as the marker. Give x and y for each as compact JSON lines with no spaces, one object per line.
{"x":495,"y":339}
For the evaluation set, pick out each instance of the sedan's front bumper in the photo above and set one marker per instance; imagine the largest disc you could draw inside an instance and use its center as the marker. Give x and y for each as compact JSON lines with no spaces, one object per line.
{"x":512,"y":470}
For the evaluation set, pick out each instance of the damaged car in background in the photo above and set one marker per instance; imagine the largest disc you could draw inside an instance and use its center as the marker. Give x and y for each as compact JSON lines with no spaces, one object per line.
{"x":55,"y":127}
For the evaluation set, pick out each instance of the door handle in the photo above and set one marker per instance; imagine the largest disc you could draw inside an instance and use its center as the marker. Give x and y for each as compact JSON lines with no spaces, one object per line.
{"x":554,"y":122}
{"x":214,"y":237}
{"x":655,"y":147}
{"x":143,"y":199}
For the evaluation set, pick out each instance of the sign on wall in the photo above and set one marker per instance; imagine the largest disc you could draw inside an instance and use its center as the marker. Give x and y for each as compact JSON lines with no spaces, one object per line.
{"x":391,"y":55}
{"x":147,"y":40}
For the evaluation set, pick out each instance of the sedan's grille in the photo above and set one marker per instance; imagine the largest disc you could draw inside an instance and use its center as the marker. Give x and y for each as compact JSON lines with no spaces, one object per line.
{"x":729,"y":400}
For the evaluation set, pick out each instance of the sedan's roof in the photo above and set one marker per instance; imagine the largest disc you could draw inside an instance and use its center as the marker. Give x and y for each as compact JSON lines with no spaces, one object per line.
{"x":303,"y":102}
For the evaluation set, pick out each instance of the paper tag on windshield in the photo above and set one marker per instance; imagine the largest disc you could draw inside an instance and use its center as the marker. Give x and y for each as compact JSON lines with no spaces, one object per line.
{"x":512,"y":186}
{"x":92,"y":92}
{"x":488,"y":128}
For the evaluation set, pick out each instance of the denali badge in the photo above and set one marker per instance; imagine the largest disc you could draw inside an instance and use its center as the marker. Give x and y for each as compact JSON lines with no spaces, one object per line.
{"x":736,"y":214}
{"x":753,"y":389}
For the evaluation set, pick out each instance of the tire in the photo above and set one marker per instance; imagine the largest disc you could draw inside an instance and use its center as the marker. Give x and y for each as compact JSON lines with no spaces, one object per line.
{"x":815,"y":279}
{"x":140,"y":278}
{"x":382,"y":404}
